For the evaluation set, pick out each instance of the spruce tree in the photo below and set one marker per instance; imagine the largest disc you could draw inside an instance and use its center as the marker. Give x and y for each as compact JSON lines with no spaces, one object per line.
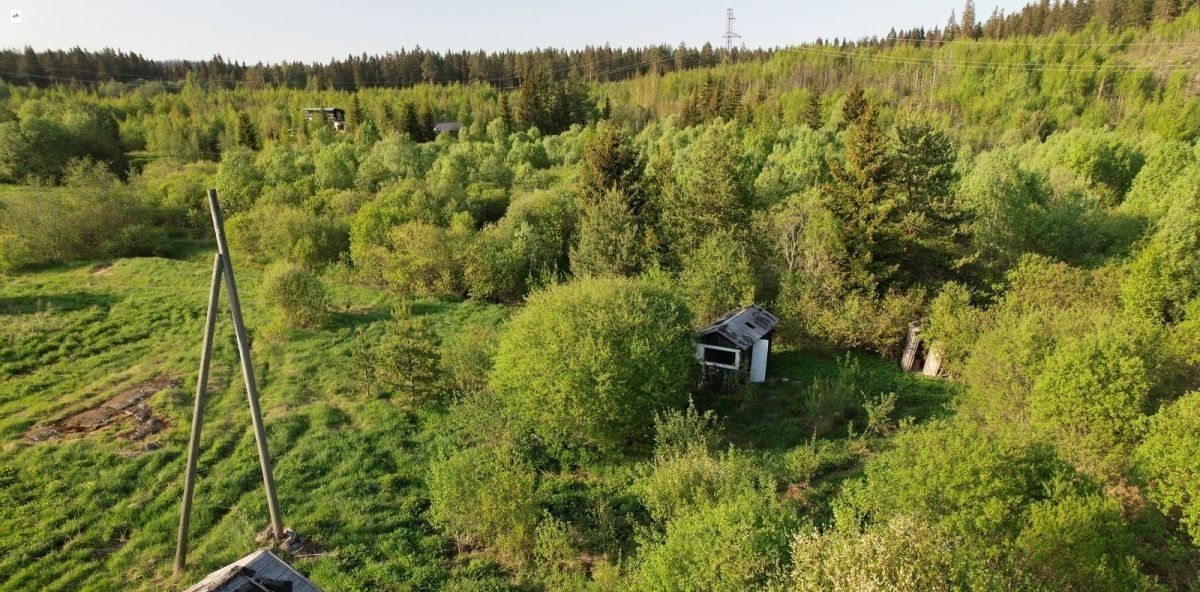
{"x":405,"y":358}
{"x":608,"y":242}
{"x":245,"y":134}
{"x":535,"y":100}
{"x":968,"y":20}
{"x":410,"y":124}
{"x":426,"y":119}
{"x":505,"y":111}
{"x":853,"y":107}
{"x":930,"y":225}
{"x":354,"y":114}
{"x":860,"y":199}
{"x":611,"y":163}
{"x":812,"y":111}
{"x":708,"y":194}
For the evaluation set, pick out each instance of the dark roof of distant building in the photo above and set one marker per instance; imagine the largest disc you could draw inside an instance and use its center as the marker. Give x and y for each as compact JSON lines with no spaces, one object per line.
{"x":322,"y":109}
{"x":260,"y":571}
{"x":743,"y":326}
{"x":447,"y":126}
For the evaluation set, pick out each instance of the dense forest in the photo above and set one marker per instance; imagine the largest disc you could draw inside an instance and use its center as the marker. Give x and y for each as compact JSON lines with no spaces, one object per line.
{"x":506,"y":70}
{"x":478,"y":346}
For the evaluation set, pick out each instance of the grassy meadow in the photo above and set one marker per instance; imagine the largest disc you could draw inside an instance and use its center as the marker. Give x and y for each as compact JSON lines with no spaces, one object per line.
{"x":98,"y":512}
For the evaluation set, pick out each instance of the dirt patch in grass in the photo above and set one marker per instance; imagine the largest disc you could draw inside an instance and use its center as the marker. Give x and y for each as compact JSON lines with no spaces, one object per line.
{"x":103,"y":268}
{"x":129,"y":406}
{"x":292,"y":544}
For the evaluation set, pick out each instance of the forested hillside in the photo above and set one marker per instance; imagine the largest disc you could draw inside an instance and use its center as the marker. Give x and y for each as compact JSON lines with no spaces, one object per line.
{"x":477,"y":347}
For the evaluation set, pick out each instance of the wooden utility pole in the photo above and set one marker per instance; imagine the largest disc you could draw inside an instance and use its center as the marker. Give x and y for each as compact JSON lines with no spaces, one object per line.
{"x":223,"y":268}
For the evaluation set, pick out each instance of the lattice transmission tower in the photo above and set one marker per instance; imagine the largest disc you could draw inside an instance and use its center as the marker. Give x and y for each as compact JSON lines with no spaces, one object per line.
{"x":729,"y":34}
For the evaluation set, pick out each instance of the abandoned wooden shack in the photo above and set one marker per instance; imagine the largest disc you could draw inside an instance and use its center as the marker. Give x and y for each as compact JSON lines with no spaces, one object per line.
{"x":332,"y":114}
{"x":260,"y":571}
{"x":447,"y":127}
{"x":919,"y":356}
{"x":739,"y":342}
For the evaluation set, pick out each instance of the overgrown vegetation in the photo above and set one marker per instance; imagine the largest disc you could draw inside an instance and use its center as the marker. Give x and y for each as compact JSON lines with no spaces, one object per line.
{"x":476,"y":348}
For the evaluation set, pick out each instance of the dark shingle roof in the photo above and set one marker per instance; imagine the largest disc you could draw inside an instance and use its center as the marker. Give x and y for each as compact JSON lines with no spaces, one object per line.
{"x":743,"y":326}
{"x":256,"y":572}
{"x":447,"y":126}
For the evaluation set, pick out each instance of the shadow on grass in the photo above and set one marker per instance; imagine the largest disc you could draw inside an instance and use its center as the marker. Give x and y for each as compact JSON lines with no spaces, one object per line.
{"x":64,"y":302}
{"x":356,"y":319}
{"x":778,"y":416}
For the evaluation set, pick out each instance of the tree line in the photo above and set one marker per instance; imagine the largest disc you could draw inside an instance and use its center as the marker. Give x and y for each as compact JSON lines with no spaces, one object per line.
{"x":402,"y":68}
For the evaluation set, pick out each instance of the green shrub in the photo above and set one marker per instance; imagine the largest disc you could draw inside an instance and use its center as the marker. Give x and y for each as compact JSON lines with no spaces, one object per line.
{"x":335,"y":166}
{"x":486,"y":496}
{"x":94,"y":215}
{"x":695,"y":479}
{"x":806,"y":462}
{"x":1149,"y":194}
{"x":295,"y":298}
{"x":238,"y":181}
{"x":953,"y":326}
{"x":976,"y":485}
{"x":1169,"y":460}
{"x":496,"y":268}
{"x":678,"y":432}
{"x":1104,"y":159}
{"x":833,"y":400}
{"x":822,"y":315}
{"x":734,"y":544}
{"x":274,"y":233}
{"x":590,"y":362}
{"x":427,"y":261}
{"x":466,"y":356}
{"x":1045,"y":303}
{"x":180,"y":190}
{"x":1091,"y":396}
{"x":717,"y":277}
{"x":1080,"y":543}
{"x":901,"y":554}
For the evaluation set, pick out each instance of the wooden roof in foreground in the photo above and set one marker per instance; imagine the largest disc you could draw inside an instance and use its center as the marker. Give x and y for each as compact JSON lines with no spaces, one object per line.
{"x":260,"y":571}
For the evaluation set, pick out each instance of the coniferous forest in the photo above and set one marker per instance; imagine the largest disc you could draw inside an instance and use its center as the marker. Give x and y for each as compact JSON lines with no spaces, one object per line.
{"x":476,"y":345}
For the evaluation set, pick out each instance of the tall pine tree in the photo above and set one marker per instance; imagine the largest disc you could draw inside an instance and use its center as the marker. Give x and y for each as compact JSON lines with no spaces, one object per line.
{"x":812,"y":111}
{"x":859,"y":197}
{"x":245,"y":134}
{"x":611,"y":163}
{"x":853,"y":107}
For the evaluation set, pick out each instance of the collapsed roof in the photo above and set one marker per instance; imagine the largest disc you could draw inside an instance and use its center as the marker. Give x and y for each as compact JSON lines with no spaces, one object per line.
{"x":743,"y":326}
{"x":260,"y":571}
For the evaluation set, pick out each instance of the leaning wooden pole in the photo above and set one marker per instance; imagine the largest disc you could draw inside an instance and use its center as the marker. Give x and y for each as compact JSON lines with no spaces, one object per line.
{"x":189,"y":478}
{"x":239,"y":331}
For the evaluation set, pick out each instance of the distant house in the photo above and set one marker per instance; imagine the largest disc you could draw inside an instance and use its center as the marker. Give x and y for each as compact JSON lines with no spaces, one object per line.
{"x":447,"y":127}
{"x":260,"y":571}
{"x":740,"y":341}
{"x":332,"y":114}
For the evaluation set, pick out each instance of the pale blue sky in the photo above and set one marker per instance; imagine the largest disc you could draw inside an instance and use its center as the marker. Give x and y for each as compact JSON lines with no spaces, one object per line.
{"x":307,"y":30}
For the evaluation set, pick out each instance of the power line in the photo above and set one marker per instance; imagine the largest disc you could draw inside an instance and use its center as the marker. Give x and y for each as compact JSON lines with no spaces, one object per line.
{"x":917,"y":61}
{"x":1042,"y":43}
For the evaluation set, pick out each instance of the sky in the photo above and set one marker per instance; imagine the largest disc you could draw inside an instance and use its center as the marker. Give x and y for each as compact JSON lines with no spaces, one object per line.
{"x":307,"y":30}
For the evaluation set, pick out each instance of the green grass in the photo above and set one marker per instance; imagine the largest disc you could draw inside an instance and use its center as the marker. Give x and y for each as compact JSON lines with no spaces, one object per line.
{"x":85,"y":514}
{"x":76,"y":514}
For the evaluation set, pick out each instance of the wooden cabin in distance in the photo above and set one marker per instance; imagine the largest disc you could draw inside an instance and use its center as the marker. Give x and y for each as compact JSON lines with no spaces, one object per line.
{"x":447,"y":127}
{"x":332,"y":114}
{"x":739,"y":341}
